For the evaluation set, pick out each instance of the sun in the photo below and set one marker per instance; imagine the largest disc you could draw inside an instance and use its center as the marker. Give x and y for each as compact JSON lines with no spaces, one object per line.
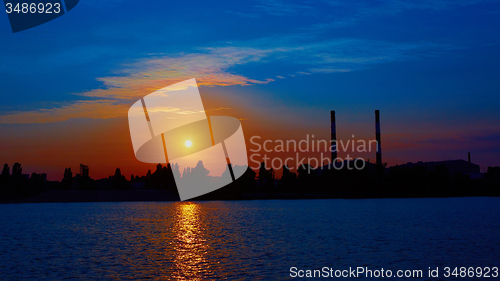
{"x":188,"y":143}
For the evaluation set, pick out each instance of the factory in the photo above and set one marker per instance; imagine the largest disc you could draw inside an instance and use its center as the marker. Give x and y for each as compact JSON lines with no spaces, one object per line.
{"x":453,"y":166}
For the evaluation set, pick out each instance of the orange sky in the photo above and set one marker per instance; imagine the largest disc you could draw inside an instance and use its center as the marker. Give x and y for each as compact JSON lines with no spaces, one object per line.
{"x":104,"y":144}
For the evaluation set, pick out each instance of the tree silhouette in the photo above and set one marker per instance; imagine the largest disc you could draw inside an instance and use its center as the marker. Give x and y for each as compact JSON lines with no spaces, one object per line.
{"x":6,"y":170}
{"x":5,"y":173}
{"x":288,"y":179}
{"x":266,"y":179}
{"x":67,"y":179}
{"x":17,"y":170}
{"x":120,"y":182}
{"x":199,"y":171}
{"x":118,"y":173}
{"x":176,"y":170}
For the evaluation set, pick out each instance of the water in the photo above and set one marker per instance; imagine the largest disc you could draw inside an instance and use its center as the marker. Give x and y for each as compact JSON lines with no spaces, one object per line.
{"x":244,"y":239}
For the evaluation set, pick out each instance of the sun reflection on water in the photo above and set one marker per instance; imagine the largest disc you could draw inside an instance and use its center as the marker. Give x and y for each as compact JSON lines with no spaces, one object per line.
{"x":190,"y":246}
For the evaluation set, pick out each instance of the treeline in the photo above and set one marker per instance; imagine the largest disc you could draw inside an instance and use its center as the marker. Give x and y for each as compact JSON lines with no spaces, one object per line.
{"x":371,"y":182}
{"x":16,"y":185}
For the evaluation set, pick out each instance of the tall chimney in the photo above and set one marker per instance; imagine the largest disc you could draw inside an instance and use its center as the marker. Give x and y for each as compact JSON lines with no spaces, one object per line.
{"x":377,"y":136}
{"x":469,"y":157}
{"x":334,"y":138}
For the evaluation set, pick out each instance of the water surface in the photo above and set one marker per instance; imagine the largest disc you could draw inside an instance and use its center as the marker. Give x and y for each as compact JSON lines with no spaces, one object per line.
{"x":243,"y":239}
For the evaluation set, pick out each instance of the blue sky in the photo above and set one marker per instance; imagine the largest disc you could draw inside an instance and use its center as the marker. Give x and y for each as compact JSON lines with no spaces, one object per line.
{"x":431,"y":67}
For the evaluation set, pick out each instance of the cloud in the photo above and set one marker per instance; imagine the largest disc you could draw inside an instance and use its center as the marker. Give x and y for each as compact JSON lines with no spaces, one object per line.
{"x":145,"y":76}
{"x":328,"y":70}
{"x":353,"y":55}
{"x":359,"y":12}
{"x":353,"y":12}
{"x":209,"y":68}
{"x":95,"y":109}
{"x":212,"y":66}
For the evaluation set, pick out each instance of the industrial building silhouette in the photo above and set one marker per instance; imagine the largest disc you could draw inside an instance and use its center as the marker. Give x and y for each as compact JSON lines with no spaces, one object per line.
{"x":375,"y":180}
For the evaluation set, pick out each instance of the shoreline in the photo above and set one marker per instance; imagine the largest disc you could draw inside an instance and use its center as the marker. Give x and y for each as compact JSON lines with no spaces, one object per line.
{"x":153,"y":195}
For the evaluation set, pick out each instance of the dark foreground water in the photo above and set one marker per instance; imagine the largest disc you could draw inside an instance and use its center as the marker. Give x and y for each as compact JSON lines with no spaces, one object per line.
{"x":245,"y":240}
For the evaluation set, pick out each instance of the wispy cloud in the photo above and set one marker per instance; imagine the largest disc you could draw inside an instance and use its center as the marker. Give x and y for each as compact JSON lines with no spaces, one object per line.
{"x":209,"y":68}
{"x":357,"y":12}
{"x":353,"y":12}
{"x":213,"y":66}
{"x":95,"y":109}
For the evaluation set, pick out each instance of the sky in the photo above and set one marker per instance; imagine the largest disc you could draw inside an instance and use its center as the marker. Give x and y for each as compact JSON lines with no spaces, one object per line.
{"x":432,"y":68}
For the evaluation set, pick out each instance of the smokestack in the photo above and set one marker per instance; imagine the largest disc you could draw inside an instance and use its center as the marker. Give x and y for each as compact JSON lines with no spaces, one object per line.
{"x":469,"y":157}
{"x":334,"y":138}
{"x":377,"y":136}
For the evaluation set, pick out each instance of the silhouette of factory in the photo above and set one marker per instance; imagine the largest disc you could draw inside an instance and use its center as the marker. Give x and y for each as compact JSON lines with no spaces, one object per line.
{"x":334,"y":180}
{"x":452,"y":166}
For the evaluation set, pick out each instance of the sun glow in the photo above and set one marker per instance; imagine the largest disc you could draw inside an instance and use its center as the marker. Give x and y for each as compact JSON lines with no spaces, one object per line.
{"x":188,"y":143}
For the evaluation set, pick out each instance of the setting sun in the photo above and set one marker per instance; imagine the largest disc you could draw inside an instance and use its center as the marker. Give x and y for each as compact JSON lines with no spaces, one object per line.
{"x":188,"y":143}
